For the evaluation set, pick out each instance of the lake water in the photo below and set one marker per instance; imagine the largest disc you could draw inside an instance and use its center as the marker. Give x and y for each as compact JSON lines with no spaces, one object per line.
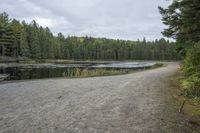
{"x":41,"y":71}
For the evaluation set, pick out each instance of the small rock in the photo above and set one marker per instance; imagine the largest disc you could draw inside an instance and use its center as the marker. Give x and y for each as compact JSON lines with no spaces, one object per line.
{"x":59,"y":97}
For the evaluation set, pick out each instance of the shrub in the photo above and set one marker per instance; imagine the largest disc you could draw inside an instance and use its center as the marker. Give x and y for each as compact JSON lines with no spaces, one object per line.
{"x":191,"y":87}
{"x":191,"y":69}
{"x":157,"y":65}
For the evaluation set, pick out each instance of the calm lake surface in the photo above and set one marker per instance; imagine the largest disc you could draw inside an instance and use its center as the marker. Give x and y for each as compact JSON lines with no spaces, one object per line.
{"x":14,"y":71}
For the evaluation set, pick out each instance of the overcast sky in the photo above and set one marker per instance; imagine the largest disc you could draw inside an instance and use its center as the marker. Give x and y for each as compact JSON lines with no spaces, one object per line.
{"x":123,"y":19}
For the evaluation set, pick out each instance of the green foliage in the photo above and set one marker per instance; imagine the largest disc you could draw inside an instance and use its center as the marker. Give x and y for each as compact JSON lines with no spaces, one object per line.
{"x":9,"y":36}
{"x":191,"y":69}
{"x":191,"y":86}
{"x":191,"y":64}
{"x":36,"y":42}
{"x":183,"y":20}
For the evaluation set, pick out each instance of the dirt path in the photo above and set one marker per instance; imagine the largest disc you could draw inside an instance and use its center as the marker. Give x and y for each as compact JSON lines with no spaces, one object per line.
{"x":118,"y":104}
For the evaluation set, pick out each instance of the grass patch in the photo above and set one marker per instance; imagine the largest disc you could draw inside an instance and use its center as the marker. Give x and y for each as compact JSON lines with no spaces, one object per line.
{"x":88,"y":72}
{"x":157,"y":65}
{"x":192,"y":106}
{"x":78,"y":72}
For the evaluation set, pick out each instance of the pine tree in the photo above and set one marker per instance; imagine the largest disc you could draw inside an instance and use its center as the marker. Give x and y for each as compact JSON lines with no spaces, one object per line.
{"x":182,"y":18}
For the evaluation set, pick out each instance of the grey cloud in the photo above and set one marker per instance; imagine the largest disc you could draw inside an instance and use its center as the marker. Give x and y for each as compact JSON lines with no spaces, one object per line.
{"x":124,"y":19}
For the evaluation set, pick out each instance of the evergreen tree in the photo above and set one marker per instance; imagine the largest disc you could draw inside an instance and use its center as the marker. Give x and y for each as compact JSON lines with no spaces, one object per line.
{"x":35,"y":42}
{"x":182,"y":18}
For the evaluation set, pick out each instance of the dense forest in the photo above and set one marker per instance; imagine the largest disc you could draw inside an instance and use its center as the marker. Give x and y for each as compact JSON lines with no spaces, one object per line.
{"x":183,"y":20}
{"x":35,"y":42}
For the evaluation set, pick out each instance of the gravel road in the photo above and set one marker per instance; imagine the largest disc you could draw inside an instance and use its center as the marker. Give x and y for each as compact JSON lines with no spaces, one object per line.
{"x":115,"y":104}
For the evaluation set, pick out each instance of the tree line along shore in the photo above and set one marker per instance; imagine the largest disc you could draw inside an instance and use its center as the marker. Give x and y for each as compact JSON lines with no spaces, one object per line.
{"x":31,"y":41}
